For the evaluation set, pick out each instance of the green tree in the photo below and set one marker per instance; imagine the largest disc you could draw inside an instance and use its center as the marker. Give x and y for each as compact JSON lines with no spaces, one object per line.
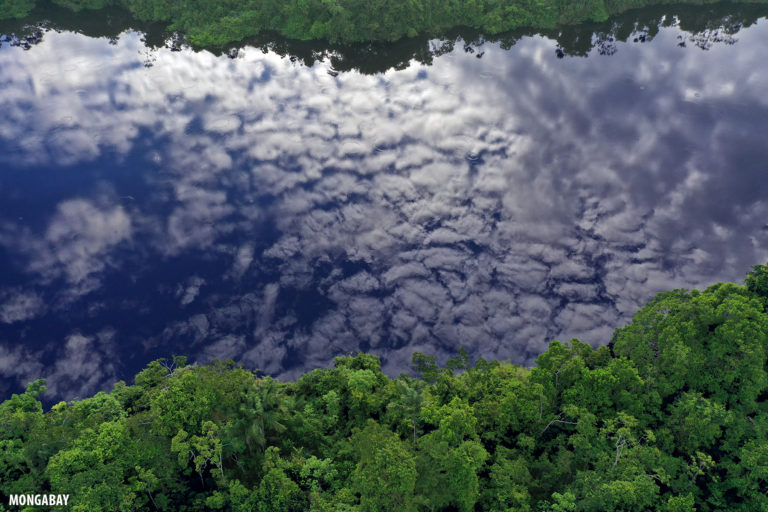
{"x":385,"y":476}
{"x":277,"y":492}
{"x":15,"y":8}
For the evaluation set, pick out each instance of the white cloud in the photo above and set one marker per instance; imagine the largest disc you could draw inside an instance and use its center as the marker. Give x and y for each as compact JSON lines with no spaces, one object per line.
{"x":76,"y":244}
{"x":188,"y":293}
{"x":18,"y":306}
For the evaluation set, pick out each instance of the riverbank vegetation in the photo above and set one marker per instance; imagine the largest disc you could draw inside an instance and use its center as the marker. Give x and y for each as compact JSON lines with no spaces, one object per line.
{"x":671,"y":416}
{"x":220,"y":22}
{"x":700,"y":26}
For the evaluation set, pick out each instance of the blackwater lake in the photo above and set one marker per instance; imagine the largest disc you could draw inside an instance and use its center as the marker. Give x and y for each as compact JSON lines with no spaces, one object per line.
{"x":281,"y":203}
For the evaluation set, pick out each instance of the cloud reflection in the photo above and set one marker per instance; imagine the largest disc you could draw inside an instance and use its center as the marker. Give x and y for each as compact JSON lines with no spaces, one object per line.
{"x":493,"y":204}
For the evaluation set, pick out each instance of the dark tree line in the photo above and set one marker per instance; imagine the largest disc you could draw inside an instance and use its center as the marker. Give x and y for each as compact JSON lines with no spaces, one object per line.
{"x":701,"y":26}
{"x":219,"y":22}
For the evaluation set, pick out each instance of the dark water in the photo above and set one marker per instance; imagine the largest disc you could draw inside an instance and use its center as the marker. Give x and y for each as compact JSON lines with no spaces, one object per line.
{"x":157,"y":202}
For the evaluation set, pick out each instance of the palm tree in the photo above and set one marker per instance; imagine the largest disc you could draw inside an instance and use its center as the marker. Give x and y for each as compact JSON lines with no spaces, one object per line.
{"x":257,"y":421}
{"x":409,"y":401}
{"x":273,"y":407}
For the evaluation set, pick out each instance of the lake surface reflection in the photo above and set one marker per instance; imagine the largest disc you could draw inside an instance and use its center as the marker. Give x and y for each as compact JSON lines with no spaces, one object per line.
{"x":158,"y":202}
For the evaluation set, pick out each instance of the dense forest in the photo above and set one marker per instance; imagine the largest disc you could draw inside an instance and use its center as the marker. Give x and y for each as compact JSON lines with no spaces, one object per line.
{"x":671,"y":416}
{"x":218,"y":22}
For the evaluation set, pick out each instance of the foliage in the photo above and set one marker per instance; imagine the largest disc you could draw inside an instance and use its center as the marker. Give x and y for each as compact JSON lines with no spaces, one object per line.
{"x":15,"y":8}
{"x":672,"y":417}
{"x":218,"y":22}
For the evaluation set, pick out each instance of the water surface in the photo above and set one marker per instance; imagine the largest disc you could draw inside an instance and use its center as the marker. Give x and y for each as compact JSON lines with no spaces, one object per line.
{"x":271,"y":210}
